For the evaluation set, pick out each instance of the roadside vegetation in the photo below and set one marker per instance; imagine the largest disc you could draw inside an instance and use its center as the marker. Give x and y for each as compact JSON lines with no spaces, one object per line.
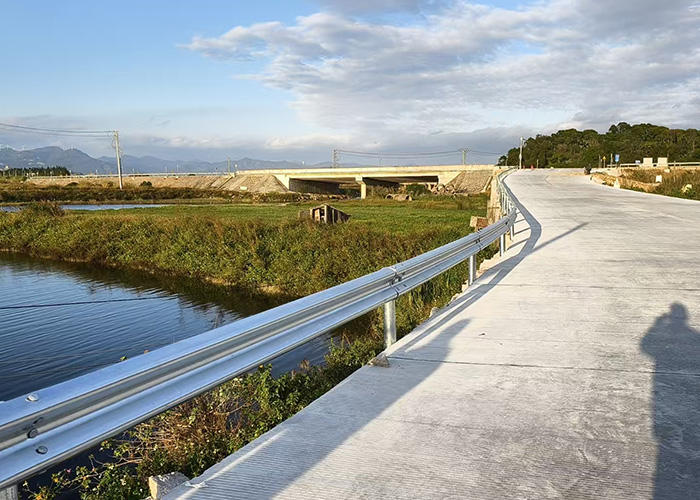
{"x":677,"y":183}
{"x":583,"y":148}
{"x":261,"y":248}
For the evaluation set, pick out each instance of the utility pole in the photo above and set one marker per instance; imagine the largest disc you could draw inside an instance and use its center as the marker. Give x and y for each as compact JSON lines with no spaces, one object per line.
{"x":520,"y":162}
{"x":464,"y":155}
{"x":119,"y":158}
{"x":228,"y":164}
{"x":336,"y":158}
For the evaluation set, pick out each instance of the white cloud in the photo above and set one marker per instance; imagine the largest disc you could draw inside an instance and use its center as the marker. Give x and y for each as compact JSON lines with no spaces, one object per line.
{"x":465,"y":67}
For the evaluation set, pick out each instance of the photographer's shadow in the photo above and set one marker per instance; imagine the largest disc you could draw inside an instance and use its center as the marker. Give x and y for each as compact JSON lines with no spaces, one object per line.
{"x":675,"y":349}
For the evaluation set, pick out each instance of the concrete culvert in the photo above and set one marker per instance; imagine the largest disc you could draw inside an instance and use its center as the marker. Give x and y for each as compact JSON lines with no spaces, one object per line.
{"x":399,"y":197}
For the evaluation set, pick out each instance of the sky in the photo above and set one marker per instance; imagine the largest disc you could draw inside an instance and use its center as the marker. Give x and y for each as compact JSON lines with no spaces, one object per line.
{"x":294,"y":79}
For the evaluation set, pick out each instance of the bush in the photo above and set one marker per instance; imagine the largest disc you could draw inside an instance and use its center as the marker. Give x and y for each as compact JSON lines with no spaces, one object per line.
{"x":43,"y":208}
{"x":146,"y":184}
{"x":417,"y":190}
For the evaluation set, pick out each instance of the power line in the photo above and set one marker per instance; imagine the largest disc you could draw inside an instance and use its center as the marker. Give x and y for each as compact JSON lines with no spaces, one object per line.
{"x":398,"y":155}
{"x":114,"y":134}
{"x":51,"y":131}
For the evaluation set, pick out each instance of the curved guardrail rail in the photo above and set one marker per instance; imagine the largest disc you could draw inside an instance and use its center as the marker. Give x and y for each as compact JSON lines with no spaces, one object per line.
{"x":44,"y":428}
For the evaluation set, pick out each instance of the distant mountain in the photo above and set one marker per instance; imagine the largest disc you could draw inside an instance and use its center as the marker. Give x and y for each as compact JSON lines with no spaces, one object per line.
{"x":79,"y":162}
{"x":73,"y":159}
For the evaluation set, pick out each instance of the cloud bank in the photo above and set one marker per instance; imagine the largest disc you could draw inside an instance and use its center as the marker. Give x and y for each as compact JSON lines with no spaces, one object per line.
{"x":386,"y":73}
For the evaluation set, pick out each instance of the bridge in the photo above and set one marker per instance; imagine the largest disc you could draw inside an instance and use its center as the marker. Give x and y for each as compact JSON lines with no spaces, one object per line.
{"x":329,"y":180}
{"x":472,"y":178}
{"x":569,"y":369}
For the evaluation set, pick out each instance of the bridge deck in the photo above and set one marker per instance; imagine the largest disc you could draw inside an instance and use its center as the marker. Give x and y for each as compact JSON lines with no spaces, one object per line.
{"x":570,"y":370}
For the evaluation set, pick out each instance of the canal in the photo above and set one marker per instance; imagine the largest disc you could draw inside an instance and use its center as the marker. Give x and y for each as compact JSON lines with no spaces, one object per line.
{"x":61,"y":320}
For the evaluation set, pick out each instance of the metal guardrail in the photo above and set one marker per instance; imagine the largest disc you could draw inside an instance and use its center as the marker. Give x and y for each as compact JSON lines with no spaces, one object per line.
{"x":42,"y":429}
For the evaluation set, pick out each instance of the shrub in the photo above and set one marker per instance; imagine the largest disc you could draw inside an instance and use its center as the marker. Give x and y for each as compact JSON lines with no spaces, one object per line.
{"x":417,"y":190}
{"x":43,"y":208}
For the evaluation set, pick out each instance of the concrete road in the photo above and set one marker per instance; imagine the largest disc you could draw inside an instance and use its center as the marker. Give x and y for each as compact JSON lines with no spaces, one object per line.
{"x":570,"y":370}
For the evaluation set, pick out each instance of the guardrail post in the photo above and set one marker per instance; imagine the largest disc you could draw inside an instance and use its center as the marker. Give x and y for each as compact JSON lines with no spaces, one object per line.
{"x":502,"y":245}
{"x":472,"y":269}
{"x":512,"y":232}
{"x":389,"y":322}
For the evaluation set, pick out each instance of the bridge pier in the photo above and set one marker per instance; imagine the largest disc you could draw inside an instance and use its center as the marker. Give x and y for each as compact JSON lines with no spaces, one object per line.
{"x":369,"y":181}
{"x":363,"y":190}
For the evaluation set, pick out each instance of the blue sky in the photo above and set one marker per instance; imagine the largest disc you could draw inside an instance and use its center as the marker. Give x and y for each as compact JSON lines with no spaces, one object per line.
{"x":211,"y":79}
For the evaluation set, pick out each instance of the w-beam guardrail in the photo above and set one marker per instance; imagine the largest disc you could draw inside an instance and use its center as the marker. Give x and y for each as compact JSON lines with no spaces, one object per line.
{"x":44,"y":428}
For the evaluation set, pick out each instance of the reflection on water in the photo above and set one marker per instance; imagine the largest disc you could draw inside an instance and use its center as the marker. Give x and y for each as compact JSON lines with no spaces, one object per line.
{"x":61,"y":320}
{"x":91,"y":207}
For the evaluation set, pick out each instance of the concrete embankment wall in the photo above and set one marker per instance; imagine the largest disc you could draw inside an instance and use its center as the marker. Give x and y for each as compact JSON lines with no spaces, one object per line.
{"x":243,"y":183}
{"x":475,"y":181}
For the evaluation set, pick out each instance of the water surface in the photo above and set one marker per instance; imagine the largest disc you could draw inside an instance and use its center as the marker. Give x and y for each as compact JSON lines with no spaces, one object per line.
{"x":91,"y":207}
{"x":60,"y":320}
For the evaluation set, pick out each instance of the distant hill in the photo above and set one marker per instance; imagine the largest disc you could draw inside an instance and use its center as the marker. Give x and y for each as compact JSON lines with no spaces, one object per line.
{"x":574,"y":148}
{"x":79,"y":162}
{"x":72,"y":159}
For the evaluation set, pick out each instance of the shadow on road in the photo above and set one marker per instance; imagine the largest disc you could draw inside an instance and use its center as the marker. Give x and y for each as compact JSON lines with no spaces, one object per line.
{"x":674,"y":345}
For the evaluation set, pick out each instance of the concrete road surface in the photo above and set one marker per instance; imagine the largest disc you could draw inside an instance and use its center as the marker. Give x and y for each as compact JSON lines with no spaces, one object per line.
{"x":570,"y":370}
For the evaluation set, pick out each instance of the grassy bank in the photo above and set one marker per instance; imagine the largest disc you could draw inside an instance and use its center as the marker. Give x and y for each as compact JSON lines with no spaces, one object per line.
{"x":675,"y":183}
{"x":18,"y":192}
{"x":262,"y":247}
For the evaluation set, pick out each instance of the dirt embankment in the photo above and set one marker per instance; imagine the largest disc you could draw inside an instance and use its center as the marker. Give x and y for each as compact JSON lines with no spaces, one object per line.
{"x":623,"y":182}
{"x":241,"y":183}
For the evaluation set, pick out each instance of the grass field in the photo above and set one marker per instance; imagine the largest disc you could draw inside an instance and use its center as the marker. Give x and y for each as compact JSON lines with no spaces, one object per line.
{"x":393,"y":216}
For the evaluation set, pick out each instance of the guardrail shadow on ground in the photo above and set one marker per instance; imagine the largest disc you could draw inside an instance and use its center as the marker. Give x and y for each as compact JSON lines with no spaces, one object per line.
{"x":301,"y":452}
{"x":674,"y":346}
{"x":496,"y":274}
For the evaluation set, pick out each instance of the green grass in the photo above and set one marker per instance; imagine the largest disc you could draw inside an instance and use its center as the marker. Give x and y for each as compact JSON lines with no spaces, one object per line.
{"x":392,"y":216}
{"x":258,"y":248}
{"x":22,"y":192}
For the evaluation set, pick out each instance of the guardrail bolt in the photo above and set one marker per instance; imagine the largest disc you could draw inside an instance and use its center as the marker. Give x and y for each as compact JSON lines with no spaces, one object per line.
{"x":42,"y":450}
{"x":33,"y":398}
{"x":33,"y":433}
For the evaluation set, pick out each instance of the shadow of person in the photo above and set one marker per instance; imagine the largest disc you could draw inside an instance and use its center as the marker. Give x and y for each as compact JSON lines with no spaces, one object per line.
{"x":675,"y":349}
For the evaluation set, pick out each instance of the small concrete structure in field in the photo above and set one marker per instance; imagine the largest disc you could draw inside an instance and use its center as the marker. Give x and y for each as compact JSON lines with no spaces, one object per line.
{"x":325,"y":214}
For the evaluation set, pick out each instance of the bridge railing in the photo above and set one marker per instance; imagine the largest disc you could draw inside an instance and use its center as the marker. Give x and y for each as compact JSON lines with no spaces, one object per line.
{"x":44,"y":428}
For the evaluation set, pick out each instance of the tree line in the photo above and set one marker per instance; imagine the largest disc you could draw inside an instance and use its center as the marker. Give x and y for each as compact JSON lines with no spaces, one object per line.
{"x":24,"y":172}
{"x":574,"y":148}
